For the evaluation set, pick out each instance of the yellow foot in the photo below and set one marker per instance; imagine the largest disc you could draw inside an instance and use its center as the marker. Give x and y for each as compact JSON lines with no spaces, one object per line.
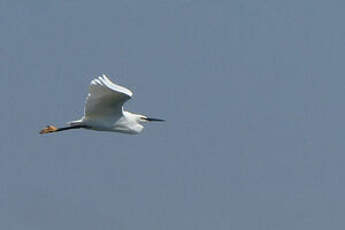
{"x":48,"y":129}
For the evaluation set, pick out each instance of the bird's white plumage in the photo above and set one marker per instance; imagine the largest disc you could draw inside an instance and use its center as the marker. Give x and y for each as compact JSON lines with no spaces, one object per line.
{"x":103,"y":109}
{"x":105,"y":98}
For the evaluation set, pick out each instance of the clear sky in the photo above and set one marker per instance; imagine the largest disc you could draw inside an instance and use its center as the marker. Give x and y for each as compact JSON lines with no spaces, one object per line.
{"x":253,"y":94}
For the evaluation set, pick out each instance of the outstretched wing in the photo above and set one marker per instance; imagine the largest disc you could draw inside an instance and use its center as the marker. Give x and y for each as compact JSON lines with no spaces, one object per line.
{"x":105,"y":98}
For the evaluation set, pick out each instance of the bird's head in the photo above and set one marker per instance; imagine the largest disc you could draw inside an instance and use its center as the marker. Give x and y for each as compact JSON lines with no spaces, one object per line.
{"x":139,"y":118}
{"x":142,"y":118}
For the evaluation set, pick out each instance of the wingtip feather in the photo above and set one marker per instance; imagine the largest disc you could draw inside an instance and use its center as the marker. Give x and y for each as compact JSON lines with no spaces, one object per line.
{"x":104,"y":80}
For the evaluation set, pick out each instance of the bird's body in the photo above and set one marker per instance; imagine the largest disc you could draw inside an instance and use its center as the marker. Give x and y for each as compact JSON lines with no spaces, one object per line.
{"x":104,"y":110}
{"x":127,"y":123}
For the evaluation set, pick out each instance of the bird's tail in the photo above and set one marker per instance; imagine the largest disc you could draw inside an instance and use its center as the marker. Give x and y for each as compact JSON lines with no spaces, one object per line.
{"x":75,"y":123}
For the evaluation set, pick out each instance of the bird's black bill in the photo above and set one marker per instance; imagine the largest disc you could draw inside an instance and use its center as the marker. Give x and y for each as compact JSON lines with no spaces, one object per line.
{"x":154,"y":119}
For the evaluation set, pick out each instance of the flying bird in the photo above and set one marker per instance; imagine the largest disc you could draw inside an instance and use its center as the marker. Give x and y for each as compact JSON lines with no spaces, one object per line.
{"x":104,"y":111}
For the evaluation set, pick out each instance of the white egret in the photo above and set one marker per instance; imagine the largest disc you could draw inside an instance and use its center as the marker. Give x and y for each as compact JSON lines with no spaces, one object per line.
{"x":104,"y":111}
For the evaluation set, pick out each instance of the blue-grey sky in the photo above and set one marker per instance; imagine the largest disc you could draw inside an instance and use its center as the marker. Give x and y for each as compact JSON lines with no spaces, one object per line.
{"x":253,"y":94}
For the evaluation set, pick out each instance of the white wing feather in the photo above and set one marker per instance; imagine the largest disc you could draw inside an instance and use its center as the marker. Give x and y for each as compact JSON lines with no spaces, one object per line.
{"x":105,"y":98}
